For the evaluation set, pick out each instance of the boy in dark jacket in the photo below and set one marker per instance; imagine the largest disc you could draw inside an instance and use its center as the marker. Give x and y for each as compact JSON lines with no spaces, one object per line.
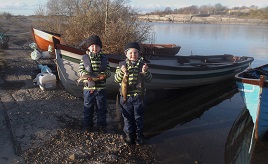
{"x":95,"y":67}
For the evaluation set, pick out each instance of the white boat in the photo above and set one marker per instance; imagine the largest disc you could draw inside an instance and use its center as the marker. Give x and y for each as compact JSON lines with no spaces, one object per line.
{"x":169,"y":72}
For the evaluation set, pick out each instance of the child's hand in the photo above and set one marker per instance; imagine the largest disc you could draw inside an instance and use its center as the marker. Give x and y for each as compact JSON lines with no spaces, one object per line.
{"x":102,"y":77}
{"x":124,"y":69}
{"x":145,"y":68}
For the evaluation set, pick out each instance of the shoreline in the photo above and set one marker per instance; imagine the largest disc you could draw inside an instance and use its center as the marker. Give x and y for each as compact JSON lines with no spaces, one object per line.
{"x":195,"y":19}
{"x":45,"y":126}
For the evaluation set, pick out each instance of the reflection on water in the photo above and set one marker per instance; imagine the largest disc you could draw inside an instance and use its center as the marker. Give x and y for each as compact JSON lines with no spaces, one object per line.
{"x":165,"y":121}
{"x":237,"y":147}
{"x":177,"y":107}
{"x":238,"y":142}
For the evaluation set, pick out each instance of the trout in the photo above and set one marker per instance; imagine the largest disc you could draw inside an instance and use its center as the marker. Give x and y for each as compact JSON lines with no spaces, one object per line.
{"x":124,"y":86}
{"x":85,"y":77}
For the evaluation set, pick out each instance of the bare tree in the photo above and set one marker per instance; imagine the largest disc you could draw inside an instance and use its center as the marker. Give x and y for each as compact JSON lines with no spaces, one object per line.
{"x":167,"y":10}
{"x":41,"y":10}
{"x":113,"y":20}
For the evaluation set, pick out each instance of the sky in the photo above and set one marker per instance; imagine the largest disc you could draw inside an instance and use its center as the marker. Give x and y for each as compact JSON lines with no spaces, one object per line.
{"x":28,"y":7}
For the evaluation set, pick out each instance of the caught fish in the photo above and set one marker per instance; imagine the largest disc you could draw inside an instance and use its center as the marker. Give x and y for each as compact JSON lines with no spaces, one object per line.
{"x":124,"y":86}
{"x":85,"y":77}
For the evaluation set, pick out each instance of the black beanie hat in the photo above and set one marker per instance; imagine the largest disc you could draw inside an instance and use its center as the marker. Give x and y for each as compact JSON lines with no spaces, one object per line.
{"x":132,"y":45}
{"x":93,"y":39}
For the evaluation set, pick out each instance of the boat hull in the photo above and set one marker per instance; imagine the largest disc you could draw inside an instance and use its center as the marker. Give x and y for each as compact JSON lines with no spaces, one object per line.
{"x":43,"y":39}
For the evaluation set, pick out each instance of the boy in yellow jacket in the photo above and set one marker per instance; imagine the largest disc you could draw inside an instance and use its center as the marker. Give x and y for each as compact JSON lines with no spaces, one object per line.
{"x":132,"y":105}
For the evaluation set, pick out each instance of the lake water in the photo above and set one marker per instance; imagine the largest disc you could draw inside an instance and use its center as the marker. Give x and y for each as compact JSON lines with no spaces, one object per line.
{"x":204,"y":39}
{"x":202,"y":137}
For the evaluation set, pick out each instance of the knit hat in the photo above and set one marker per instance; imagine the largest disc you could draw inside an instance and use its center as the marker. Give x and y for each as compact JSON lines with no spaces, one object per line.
{"x":93,"y":39}
{"x":132,"y":45}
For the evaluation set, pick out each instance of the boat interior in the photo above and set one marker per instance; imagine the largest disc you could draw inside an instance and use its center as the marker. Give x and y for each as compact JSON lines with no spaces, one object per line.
{"x":187,"y":61}
{"x":194,"y":60}
{"x":255,"y":73}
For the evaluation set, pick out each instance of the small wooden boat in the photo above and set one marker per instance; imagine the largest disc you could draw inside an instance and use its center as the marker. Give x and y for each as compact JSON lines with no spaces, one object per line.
{"x":44,"y":38}
{"x":167,"y":49}
{"x":253,"y":87}
{"x":169,"y":72}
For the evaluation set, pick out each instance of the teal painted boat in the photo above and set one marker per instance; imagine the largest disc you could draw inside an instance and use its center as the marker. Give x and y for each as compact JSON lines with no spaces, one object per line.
{"x":253,"y":87}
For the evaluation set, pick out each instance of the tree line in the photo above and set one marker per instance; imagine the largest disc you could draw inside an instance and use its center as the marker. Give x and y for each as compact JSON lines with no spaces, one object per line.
{"x":217,"y":9}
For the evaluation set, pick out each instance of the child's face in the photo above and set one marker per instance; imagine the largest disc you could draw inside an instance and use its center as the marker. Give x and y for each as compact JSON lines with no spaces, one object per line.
{"x":132,"y":54}
{"x":94,"y":48}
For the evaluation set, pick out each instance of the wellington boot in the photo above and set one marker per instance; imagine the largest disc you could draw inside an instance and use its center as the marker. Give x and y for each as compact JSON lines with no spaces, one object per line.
{"x":129,"y":140}
{"x":140,"y":140}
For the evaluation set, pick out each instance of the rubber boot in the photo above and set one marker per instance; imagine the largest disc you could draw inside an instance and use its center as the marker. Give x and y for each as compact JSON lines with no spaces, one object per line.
{"x":140,"y":139}
{"x":129,"y":140}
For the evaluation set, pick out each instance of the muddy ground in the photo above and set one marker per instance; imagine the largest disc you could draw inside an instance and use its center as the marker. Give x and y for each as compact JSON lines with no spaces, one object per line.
{"x":44,"y":126}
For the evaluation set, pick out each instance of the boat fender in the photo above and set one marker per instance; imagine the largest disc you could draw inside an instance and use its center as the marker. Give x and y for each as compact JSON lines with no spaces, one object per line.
{"x":33,"y":45}
{"x":35,"y":55}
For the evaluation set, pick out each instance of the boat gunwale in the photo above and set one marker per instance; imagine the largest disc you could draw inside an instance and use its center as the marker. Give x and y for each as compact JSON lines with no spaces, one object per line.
{"x":241,"y":79}
{"x":48,"y":32}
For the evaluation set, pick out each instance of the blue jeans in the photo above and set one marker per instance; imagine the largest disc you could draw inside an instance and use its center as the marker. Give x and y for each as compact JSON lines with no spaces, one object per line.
{"x":90,"y":99}
{"x":132,"y":112}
